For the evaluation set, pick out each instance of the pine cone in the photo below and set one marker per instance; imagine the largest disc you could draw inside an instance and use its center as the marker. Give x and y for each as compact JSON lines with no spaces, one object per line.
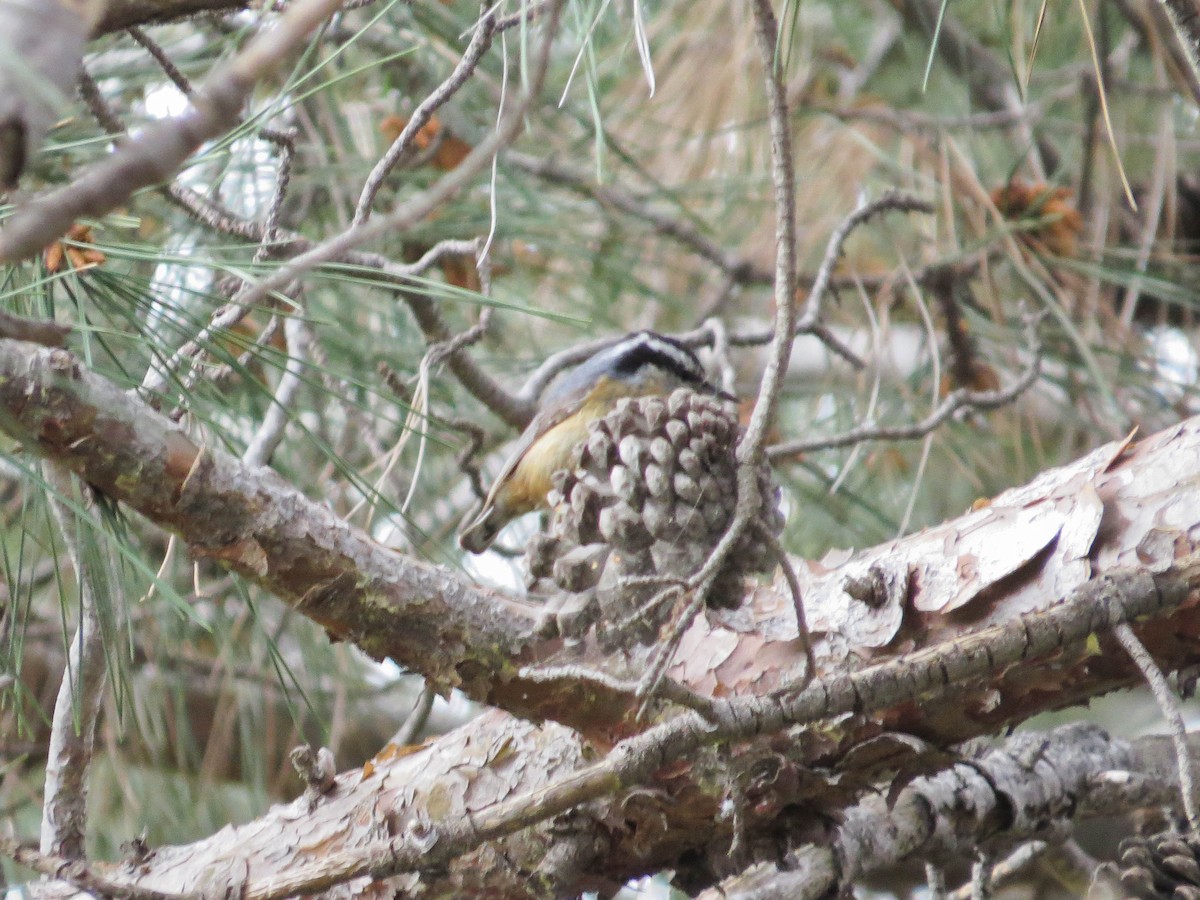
{"x":1162,"y":865}
{"x":650,"y":493}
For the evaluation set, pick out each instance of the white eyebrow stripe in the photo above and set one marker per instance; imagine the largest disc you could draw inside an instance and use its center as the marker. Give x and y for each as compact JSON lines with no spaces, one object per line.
{"x":686,"y":360}
{"x":671,"y":356}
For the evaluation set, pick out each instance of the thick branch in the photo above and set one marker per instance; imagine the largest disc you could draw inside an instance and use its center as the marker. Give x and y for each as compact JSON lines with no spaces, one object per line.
{"x":257,"y":524}
{"x":431,"y":621}
{"x":122,"y":14}
{"x":1021,"y":791}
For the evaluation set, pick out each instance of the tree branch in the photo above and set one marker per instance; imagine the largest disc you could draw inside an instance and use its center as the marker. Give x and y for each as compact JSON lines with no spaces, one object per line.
{"x":156,"y":153}
{"x":432,"y":622}
{"x":73,"y":733}
{"x":1026,"y":789}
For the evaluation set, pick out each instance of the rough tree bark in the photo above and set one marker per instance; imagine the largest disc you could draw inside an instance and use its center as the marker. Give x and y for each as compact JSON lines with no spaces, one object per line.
{"x":948,"y":634}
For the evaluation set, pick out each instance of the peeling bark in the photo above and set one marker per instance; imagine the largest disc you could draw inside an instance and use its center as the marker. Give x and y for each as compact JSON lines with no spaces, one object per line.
{"x":1128,"y":504}
{"x":923,"y":642}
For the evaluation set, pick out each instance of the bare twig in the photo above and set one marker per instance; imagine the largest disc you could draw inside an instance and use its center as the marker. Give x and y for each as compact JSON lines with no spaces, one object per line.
{"x":741,"y":270}
{"x":185,"y":86}
{"x":157,"y":375}
{"x":793,"y":583}
{"x":414,"y":210}
{"x":512,"y":409}
{"x":751,"y":446}
{"x":962,"y":347}
{"x":165,"y":63}
{"x":286,"y":142}
{"x":279,"y":413}
{"x":37,"y":331}
{"x":154,"y":154}
{"x":465,"y":458}
{"x":1168,"y":705}
{"x":417,"y":718}
{"x":809,"y":322}
{"x":935,"y":882}
{"x":481,"y":41}
{"x":530,"y":12}
{"x":96,"y":104}
{"x":1012,"y":866}
{"x":890,"y":201}
{"x":909,"y":120}
{"x":981,"y":877}
{"x":1184,"y":20}
{"x":73,"y":731}
{"x":961,"y":398}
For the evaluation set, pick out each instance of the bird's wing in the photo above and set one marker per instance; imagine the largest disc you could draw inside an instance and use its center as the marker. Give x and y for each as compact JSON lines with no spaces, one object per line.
{"x":542,"y":422}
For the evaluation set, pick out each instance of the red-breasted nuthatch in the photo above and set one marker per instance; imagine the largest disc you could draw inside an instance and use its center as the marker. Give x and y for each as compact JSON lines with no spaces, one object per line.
{"x":640,"y":365}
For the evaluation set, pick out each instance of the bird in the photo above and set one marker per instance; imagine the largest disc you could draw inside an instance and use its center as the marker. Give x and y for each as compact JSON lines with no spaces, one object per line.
{"x":641,"y":364}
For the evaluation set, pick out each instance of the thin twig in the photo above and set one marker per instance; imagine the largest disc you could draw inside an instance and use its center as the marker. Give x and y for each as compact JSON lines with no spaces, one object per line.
{"x":77,"y":708}
{"x":98,"y":106}
{"x":797,"y":592}
{"x":1011,"y":867}
{"x":890,"y":201}
{"x":407,"y":214}
{"x":279,"y":413}
{"x":952,"y":403}
{"x":37,"y":331}
{"x":154,"y":155}
{"x":286,"y":142}
{"x":417,"y":718}
{"x":224,"y":317}
{"x":740,"y":269}
{"x":481,"y":41}
{"x":981,"y":877}
{"x":181,"y":81}
{"x":1168,"y":705}
{"x":752,"y":444}
{"x":165,"y":63}
{"x":909,"y":121}
{"x":935,"y":882}
{"x":664,"y":652}
{"x":810,"y":322}
{"x":963,"y":352}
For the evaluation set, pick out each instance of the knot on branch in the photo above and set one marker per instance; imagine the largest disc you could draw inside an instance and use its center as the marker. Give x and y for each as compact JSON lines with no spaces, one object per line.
{"x":645,"y":501}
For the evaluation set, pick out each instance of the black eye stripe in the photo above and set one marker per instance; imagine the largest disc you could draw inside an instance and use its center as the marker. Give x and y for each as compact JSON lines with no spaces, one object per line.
{"x":647,"y":348}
